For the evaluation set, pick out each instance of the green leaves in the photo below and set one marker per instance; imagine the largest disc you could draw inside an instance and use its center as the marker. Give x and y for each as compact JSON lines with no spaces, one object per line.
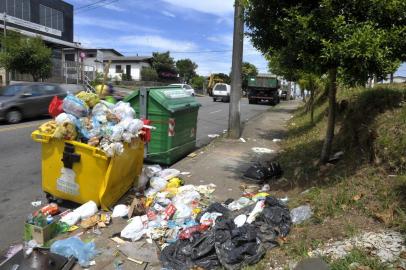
{"x":186,"y":69}
{"x":26,"y":55}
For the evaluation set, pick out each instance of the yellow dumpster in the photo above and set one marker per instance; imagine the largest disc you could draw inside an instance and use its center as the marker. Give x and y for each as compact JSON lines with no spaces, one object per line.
{"x":78,"y":172}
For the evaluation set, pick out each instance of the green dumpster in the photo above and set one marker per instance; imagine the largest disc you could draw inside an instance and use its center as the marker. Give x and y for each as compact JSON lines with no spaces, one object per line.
{"x":174,"y":115}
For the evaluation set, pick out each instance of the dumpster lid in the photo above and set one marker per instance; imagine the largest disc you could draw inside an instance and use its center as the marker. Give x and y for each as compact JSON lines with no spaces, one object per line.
{"x":172,"y":98}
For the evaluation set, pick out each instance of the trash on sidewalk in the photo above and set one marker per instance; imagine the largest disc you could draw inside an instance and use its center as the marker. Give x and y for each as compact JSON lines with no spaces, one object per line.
{"x":276,"y":140}
{"x":120,"y":210}
{"x":261,"y":173}
{"x":212,"y":136}
{"x":301,"y":214}
{"x":243,"y":140}
{"x":262,"y":150}
{"x":73,"y":246}
{"x":36,"y":203}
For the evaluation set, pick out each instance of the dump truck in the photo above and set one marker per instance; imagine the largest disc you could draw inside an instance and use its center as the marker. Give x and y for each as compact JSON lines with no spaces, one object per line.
{"x":263,"y":88}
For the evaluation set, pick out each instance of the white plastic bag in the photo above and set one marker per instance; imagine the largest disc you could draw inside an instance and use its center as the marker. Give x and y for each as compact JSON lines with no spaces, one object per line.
{"x":168,"y":174}
{"x":71,"y":218}
{"x":86,"y":210}
{"x":209,"y":219}
{"x":239,"y":221}
{"x":239,"y":204}
{"x":152,"y":170}
{"x":123,"y":110}
{"x":158,"y":183}
{"x":182,"y":211}
{"x":256,"y":211}
{"x":120,"y":210}
{"x":65,"y":118}
{"x":134,"y":230}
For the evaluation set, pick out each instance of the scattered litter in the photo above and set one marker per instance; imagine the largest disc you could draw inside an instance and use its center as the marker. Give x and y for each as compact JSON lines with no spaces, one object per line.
{"x":265,"y":188}
{"x":134,"y":230}
{"x":73,"y":246}
{"x":212,"y":136}
{"x":276,"y":140}
{"x":185,"y":173}
{"x":192,"y":155}
{"x":336,"y":157}
{"x":240,"y":220}
{"x":90,"y":222}
{"x":120,"y":210}
{"x":387,"y":245}
{"x":243,"y":140}
{"x":261,"y":173}
{"x":118,"y":240}
{"x":262,"y":150}
{"x":36,"y":203}
{"x":135,"y":261}
{"x":87,"y":210}
{"x":301,"y":213}
{"x":284,"y":200}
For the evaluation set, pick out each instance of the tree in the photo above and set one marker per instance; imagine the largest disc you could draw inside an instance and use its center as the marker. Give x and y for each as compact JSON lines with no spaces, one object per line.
{"x":186,"y":69}
{"x":26,"y":55}
{"x":164,"y":65}
{"x":346,"y":38}
{"x":248,"y":70}
{"x":149,"y":74}
{"x":198,"y":82}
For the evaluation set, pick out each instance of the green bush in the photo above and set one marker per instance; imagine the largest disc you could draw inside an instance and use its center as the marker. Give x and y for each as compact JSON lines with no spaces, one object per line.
{"x":149,"y":74}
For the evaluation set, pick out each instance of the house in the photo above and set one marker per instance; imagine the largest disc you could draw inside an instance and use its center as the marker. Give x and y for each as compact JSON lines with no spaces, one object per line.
{"x":95,"y":57}
{"x":129,"y":65}
{"x":52,"y":20}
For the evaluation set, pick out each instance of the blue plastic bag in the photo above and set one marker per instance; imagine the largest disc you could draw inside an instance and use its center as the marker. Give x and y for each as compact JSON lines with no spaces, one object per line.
{"x":73,"y":246}
{"x":75,"y":106}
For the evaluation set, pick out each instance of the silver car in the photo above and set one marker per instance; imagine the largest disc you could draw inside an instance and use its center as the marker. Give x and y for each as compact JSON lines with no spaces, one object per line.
{"x":27,"y":100}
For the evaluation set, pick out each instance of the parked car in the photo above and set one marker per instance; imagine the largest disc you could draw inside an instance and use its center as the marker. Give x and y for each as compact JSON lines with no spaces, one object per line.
{"x":189,"y":89}
{"x":221,"y":91}
{"x":26,"y":100}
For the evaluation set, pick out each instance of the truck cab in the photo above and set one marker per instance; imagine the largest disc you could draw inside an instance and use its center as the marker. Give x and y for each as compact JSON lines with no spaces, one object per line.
{"x":263,"y":88}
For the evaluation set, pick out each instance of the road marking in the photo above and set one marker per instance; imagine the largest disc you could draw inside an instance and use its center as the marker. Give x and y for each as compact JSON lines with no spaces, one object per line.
{"x":215,"y":112}
{"x":21,"y":126}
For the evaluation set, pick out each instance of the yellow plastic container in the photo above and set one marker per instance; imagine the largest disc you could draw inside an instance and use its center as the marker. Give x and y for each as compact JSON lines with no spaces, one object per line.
{"x":98,"y":178}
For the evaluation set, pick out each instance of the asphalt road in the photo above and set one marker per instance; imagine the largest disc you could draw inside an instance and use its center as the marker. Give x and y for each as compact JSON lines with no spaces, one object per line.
{"x":20,"y":163}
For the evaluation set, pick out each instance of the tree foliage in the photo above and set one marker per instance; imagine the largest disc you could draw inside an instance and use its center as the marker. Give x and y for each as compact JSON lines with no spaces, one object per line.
{"x":186,"y":69}
{"x":164,"y":65}
{"x":222,"y":76}
{"x":198,"y":82}
{"x":248,"y":70}
{"x":149,"y":74}
{"x":350,"y":39}
{"x":26,"y":55}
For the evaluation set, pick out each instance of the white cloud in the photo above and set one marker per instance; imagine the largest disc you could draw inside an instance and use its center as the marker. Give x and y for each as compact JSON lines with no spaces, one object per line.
{"x":114,"y":7}
{"x":168,"y":14}
{"x":215,"y":7}
{"x":157,"y":42}
{"x":224,"y":40}
{"x":112,"y":24}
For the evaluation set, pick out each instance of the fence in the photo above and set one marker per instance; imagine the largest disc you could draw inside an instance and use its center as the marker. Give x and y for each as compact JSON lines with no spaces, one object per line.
{"x":62,"y":72}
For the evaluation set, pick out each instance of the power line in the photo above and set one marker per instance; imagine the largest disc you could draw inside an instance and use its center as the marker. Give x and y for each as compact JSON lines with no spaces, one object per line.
{"x":187,"y":52}
{"x":95,"y":6}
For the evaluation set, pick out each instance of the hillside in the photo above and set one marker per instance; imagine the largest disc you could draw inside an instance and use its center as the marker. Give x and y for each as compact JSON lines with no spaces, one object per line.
{"x":364,"y":191}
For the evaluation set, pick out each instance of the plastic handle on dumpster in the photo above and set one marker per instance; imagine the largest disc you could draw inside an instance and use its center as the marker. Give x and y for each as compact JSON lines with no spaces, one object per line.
{"x":41,"y":138}
{"x":99,"y":154}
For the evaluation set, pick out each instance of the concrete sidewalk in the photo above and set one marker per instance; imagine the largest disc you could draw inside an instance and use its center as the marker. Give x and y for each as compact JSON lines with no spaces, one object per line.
{"x":224,"y":161}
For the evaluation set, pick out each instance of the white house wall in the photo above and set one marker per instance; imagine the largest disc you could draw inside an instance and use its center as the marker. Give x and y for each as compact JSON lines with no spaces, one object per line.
{"x":135,"y":70}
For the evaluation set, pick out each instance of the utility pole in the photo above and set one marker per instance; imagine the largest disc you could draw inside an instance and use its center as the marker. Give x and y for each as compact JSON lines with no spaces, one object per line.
{"x":234,"y":124}
{"x":6,"y":77}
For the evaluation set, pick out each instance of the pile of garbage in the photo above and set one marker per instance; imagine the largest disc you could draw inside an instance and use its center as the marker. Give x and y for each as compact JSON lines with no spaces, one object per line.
{"x":193,"y":230}
{"x":182,"y":226}
{"x":96,"y":122}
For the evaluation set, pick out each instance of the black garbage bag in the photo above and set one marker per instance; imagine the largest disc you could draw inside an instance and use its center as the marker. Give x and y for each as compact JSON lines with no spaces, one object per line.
{"x":177,"y":256}
{"x":238,"y":247}
{"x":275,"y":217}
{"x":262,"y":173}
{"x":214,"y":207}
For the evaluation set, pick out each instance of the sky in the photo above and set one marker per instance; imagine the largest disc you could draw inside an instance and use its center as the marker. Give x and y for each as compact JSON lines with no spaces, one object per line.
{"x":201,"y":30}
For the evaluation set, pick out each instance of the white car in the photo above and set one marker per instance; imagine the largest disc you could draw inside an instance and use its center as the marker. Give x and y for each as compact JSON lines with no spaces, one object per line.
{"x":221,"y":91}
{"x":189,"y":89}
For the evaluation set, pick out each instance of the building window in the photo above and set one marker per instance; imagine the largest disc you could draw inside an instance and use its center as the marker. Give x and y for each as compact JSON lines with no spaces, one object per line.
{"x":118,"y":69}
{"x":17,"y":8}
{"x":50,"y":17}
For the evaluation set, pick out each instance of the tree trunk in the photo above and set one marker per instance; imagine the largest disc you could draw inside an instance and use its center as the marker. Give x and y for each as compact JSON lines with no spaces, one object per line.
{"x":391,"y":78}
{"x":328,"y":142}
{"x":312,"y":105}
{"x":289,"y":91}
{"x":302,"y":92}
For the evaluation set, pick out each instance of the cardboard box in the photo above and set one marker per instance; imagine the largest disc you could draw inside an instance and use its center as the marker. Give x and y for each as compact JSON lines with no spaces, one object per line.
{"x":40,"y":234}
